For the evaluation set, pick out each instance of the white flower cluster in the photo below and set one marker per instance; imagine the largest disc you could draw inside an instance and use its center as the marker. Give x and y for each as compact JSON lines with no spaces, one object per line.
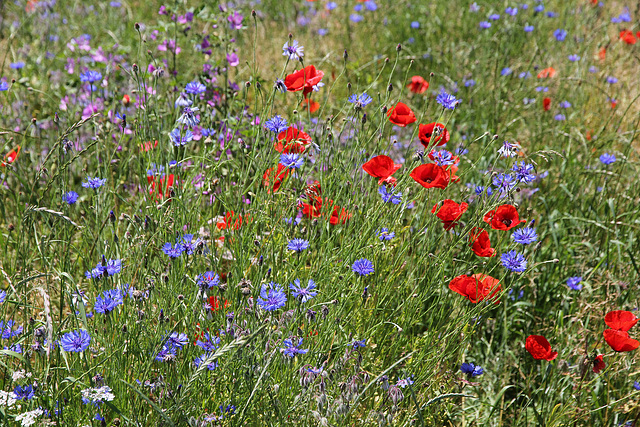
{"x":29,"y":418}
{"x":97,"y":395}
{"x":21,"y":374}
{"x":7,"y":399}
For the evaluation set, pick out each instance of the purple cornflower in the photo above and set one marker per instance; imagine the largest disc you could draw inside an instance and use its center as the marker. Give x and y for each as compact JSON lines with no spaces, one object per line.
{"x":494,"y":16}
{"x":574,"y":283}
{"x":75,"y":341}
{"x":506,"y":71}
{"x":484,"y":25}
{"x":529,"y":28}
{"x":188,"y":116}
{"x":232,"y":59}
{"x":504,"y":182}
{"x":302,"y":293}
{"x":360,"y":101}
{"x":574,"y":58}
{"x":293,"y":50}
{"x":90,"y":76}
{"x":525,"y":236}
{"x":70,"y":197}
{"x":235,"y":21}
{"x":560,"y":34}
{"x":291,"y":160}
{"x":443,"y":157}
{"x":473,"y":7}
{"x":564,"y":104}
{"x":404,"y":382}
{"x":189,"y":243}
{"x":384,"y":234}
{"x":108,"y":301}
{"x":471,"y":370}
{"x":291,"y":350}
{"x":24,"y":393}
{"x":195,"y":88}
{"x":511,"y":11}
{"x":390,"y":196}
{"x":612,"y":80}
{"x":447,"y":100}
{"x":280,"y":86}
{"x":298,"y":245}
{"x":172,"y":251}
{"x":514,"y":261}
{"x":359,"y":344}
{"x":8,"y":331}
{"x":271,"y":297}
{"x":94,"y":183}
{"x":523,"y":172}
{"x":208,"y":279}
{"x":607,"y":159}
{"x":276,"y":124}
{"x":560,"y":117}
{"x":363,"y":267}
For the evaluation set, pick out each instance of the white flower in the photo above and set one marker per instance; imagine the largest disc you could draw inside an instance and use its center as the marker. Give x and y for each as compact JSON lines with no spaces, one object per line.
{"x":7,"y":399}
{"x":97,"y":395}
{"x":29,"y":418}
{"x":18,"y":375}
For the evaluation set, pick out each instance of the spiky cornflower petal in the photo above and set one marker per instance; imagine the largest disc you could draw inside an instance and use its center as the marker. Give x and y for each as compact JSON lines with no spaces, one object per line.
{"x":75,"y":341}
{"x":447,"y":100}
{"x":298,"y":245}
{"x":363,"y":267}
{"x":514,"y":261}
{"x":271,"y":297}
{"x":525,"y":236}
{"x":574,"y":283}
{"x":94,"y":183}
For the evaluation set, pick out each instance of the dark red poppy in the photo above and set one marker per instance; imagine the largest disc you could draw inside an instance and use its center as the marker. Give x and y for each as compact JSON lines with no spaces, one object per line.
{"x":292,"y":140}
{"x":303,"y":79}
{"x":273,"y":178}
{"x":619,"y":340}
{"x":627,"y":37}
{"x":401,"y":115}
{"x":418,"y":85}
{"x":310,"y":104}
{"x":620,"y":319}
{"x":450,"y":212}
{"x":11,"y":156}
{"x":430,"y":176}
{"x":163,"y":186}
{"x":475,"y":288}
{"x":504,"y":217}
{"x":598,"y":364}
{"x":480,"y":243}
{"x":381,"y":167}
{"x":231,"y":221}
{"x":539,"y":348}
{"x":433,"y":133}
{"x":546,"y":104}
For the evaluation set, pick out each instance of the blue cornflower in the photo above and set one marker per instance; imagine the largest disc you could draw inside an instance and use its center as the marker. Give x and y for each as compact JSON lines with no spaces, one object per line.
{"x":385,"y":234}
{"x":564,"y":104}
{"x":172,"y":251}
{"x":636,"y":385}
{"x":167,"y":353}
{"x":75,"y":341}
{"x":612,"y":80}
{"x":504,"y":182}
{"x":529,"y":28}
{"x":178,"y":139}
{"x":447,"y":100}
{"x":24,"y":393}
{"x":473,"y":7}
{"x":524,"y":172}
{"x":200,"y":359}
{"x":390,"y":196}
{"x":280,"y":86}
{"x":195,"y":88}
{"x":593,"y":69}
{"x":560,"y":117}
{"x":17,"y":65}
{"x":189,"y":243}
{"x":291,"y":350}
{"x":208,"y":279}
{"x":415,"y":25}
{"x":404,"y":382}
{"x":359,"y":344}
{"x":506,"y":71}
{"x":70,"y":197}
{"x":293,"y":50}
{"x":188,"y":116}
{"x":183,"y":101}
{"x":560,"y":34}
{"x":512,"y":11}
{"x":494,"y":16}
{"x":4,"y":86}
{"x":607,"y":159}
{"x":574,"y":58}
{"x":508,"y":149}
{"x":90,"y":76}
{"x":525,"y":236}
{"x":524,"y":75}
{"x":108,"y":301}
{"x":471,"y":370}
{"x":363,"y":267}
{"x":354,"y":17}
{"x":360,"y":101}
{"x":331,"y":5}
{"x":94,"y":183}
{"x":484,"y":25}
{"x":8,"y":331}
{"x":3,"y":296}
{"x":469,"y":82}
{"x":539,"y":8}
{"x":443,"y":157}
{"x":574,"y":283}
{"x":271,"y":297}
{"x":113,"y":266}
{"x":302,"y":293}
{"x":291,"y":160}
{"x":514,"y":261}
{"x":95,"y":273}
{"x":177,"y":340}
{"x":371,"y":5}
{"x":276,"y":124}
{"x":208,"y":342}
{"x":551,"y":14}
{"x":542,"y":89}
{"x":298,"y":245}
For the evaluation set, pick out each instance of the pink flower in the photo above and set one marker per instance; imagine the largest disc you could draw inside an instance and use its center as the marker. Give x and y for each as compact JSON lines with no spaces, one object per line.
{"x":233,"y":60}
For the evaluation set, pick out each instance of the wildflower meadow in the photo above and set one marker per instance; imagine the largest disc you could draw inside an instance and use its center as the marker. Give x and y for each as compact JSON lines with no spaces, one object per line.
{"x":319,"y":213}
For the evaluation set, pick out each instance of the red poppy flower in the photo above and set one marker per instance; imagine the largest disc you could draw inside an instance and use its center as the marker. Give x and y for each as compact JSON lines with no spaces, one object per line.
{"x":401,"y":115}
{"x":11,"y":156}
{"x":339,"y":216}
{"x":418,"y":85}
{"x":164,"y":186}
{"x":437,"y":131}
{"x":480,"y":243}
{"x":613,"y":102}
{"x":381,"y":167}
{"x":450,"y":212}
{"x":148,"y":146}
{"x":547,"y":72}
{"x":539,"y":348}
{"x":312,"y":209}
{"x":475,"y":288}
{"x":311,"y":105}
{"x":505,"y":217}
{"x":619,"y":340}
{"x":230,"y":222}
{"x":214,"y":303}
{"x":292,"y":140}
{"x":126,"y":100}
{"x":627,"y":37}
{"x":546,"y":104}
{"x":620,"y":320}
{"x":602,"y":54}
{"x":272,"y":179}
{"x":598,"y":364}
{"x":303,"y":79}
{"x":430,"y":176}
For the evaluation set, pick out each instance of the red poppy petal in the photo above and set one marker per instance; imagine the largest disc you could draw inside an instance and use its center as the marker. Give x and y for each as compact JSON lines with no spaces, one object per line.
{"x":620,"y":320}
{"x":619,"y":340}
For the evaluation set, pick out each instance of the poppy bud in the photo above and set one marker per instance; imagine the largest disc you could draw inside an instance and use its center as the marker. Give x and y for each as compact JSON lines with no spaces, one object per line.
{"x":364,"y":118}
{"x":253,"y":13}
{"x":390,"y":88}
{"x":386,"y":60}
{"x":495,"y":137}
{"x":399,"y":47}
{"x":349,"y":85}
{"x":136,"y":26}
{"x":247,"y":84}
{"x":345,"y":55}
{"x":11,"y":227}
{"x":135,"y":68}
